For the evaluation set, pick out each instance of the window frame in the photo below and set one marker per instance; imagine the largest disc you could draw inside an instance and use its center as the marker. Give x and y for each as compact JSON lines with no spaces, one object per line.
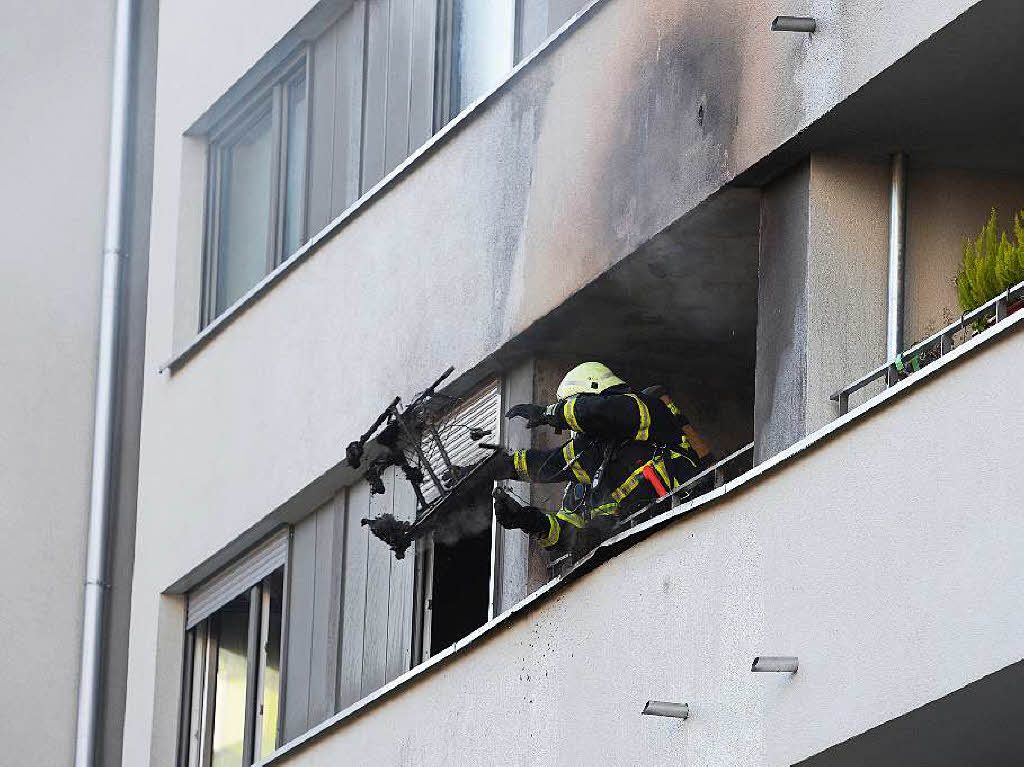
{"x":270,"y":95}
{"x":424,"y":548}
{"x":201,"y":677}
{"x":446,"y":92}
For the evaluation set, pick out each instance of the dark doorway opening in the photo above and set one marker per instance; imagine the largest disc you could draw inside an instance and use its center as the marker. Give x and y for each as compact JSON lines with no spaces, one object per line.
{"x":460,"y":586}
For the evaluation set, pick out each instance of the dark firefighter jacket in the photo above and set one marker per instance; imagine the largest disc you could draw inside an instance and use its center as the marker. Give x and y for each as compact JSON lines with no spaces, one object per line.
{"x":615,"y":435}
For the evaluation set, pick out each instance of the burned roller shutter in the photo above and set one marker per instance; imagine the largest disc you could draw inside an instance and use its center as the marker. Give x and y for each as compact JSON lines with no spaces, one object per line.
{"x":479,"y":414}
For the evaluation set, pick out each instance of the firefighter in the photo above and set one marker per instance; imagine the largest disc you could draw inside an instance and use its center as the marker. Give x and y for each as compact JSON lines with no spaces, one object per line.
{"x":627,"y":449}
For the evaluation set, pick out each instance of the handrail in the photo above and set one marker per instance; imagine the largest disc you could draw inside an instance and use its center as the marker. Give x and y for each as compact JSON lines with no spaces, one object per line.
{"x":717,"y":470}
{"x":931,"y":348}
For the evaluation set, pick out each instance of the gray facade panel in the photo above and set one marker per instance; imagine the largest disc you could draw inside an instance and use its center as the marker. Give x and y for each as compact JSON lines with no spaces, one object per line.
{"x":348,"y":109}
{"x":353,"y":616}
{"x":399,"y":81}
{"x":324,"y":87}
{"x":376,"y":95}
{"x":421,"y":96}
{"x":325,"y":598}
{"x":400,"y":597}
{"x":302,"y":573}
{"x":378,"y":589}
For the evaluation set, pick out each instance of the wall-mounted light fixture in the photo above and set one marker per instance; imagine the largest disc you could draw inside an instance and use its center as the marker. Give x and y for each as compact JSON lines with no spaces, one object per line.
{"x":784,"y":664}
{"x":794,"y":24}
{"x":661,"y":708}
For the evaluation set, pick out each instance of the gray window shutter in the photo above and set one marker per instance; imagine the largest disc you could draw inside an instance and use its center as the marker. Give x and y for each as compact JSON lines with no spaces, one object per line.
{"x":245,"y":572}
{"x":482,"y":409}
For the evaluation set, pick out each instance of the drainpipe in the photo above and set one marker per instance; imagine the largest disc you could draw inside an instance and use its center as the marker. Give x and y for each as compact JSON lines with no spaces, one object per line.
{"x":897,"y":252}
{"x":106,"y":393}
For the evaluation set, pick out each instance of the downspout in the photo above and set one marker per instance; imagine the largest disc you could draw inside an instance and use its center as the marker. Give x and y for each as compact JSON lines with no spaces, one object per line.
{"x":106,"y":393}
{"x":897,"y":258}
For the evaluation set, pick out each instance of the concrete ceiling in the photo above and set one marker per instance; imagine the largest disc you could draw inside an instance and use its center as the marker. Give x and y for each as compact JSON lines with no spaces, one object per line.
{"x":680,"y":311}
{"x":952,"y":101}
{"x":979,"y":724}
{"x":687,"y":298}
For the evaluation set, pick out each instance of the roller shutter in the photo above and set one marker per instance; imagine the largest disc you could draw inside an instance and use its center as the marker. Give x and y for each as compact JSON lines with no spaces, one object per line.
{"x":243,"y":573}
{"x":481,"y":410}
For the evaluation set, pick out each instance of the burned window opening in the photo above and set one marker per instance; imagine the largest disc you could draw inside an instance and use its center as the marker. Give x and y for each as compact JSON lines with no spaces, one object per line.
{"x":438,"y":445}
{"x":460,"y":573}
{"x":439,"y":451}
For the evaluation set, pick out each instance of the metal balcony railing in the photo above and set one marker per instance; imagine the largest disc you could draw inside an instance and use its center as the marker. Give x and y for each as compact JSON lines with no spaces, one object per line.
{"x":712,"y":477}
{"x":920,"y":355}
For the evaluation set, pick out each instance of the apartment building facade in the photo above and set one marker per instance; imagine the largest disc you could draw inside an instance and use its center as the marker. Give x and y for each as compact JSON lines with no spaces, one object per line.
{"x":351,"y":196}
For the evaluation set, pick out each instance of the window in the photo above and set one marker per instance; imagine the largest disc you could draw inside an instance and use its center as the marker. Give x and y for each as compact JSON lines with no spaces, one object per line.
{"x":231,"y":703}
{"x":256,"y":181}
{"x":456,"y":577}
{"x":454,"y":563}
{"x":477,"y":45}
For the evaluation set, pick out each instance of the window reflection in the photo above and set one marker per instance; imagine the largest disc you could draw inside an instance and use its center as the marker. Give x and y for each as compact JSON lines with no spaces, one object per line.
{"x":245,"y":211}
{"x":482,"y":50}
{"x":232,"y":660}
{"x":295,"y":164}
{"x":255,"y":216}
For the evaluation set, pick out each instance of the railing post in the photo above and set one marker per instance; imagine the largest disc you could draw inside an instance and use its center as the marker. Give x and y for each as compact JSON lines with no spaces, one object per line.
{"x":1002,"y":307}
{"x":945,"y":344}
{"x":844,"y":402}
{"x":719,"y":476}
{"x":892,"y":376}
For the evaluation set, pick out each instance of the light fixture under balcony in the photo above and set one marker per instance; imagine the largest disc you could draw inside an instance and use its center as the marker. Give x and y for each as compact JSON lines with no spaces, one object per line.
{"x":663,"y":708}
{"x":794,"y":24}
{"x":780,"y":664}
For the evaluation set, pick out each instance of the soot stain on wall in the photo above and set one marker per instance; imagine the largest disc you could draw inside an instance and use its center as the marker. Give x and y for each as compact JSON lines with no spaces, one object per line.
{"x":680,"y":104}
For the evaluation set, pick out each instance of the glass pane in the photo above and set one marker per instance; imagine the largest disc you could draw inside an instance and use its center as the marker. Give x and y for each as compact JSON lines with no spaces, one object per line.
{"x":232,"y":626}
{"x":271,"y":700}
{"x":482,"y":47}
{"x":245,"y":212}
{"x":295,"y":169}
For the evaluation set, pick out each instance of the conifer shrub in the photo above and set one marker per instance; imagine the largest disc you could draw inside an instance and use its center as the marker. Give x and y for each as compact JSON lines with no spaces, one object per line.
{"x":991,"y":263}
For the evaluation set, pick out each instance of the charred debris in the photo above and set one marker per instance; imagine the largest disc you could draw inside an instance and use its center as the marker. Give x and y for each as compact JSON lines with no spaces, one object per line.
{"x":407,"y":433}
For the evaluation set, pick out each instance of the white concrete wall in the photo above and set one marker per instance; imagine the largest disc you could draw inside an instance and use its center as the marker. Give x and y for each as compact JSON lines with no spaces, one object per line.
{"x":55,"y":58}
{"x":887,"y":560}
{"x":579,"y":161}
{"x":945,"y":207}
{"x":821,"y":294}
{"x":846,"y":279}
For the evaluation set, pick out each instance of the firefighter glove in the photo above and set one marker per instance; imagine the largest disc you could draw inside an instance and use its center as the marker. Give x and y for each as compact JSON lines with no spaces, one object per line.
{"x":514,"y":516}
{"x":499,"y":466}
{"x":535,"y":415}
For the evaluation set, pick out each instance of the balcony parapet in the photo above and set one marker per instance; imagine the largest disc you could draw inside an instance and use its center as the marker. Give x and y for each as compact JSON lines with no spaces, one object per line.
{"x":635,"y":531}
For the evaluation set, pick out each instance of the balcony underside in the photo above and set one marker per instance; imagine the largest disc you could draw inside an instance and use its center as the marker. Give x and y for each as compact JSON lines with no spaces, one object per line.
{"x":680,"y":311}
{"x":979,"y":724}
{"x":950,"y":102}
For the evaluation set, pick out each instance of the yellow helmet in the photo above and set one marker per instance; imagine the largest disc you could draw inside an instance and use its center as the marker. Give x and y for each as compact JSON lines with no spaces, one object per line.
{"x":588,"y":378}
